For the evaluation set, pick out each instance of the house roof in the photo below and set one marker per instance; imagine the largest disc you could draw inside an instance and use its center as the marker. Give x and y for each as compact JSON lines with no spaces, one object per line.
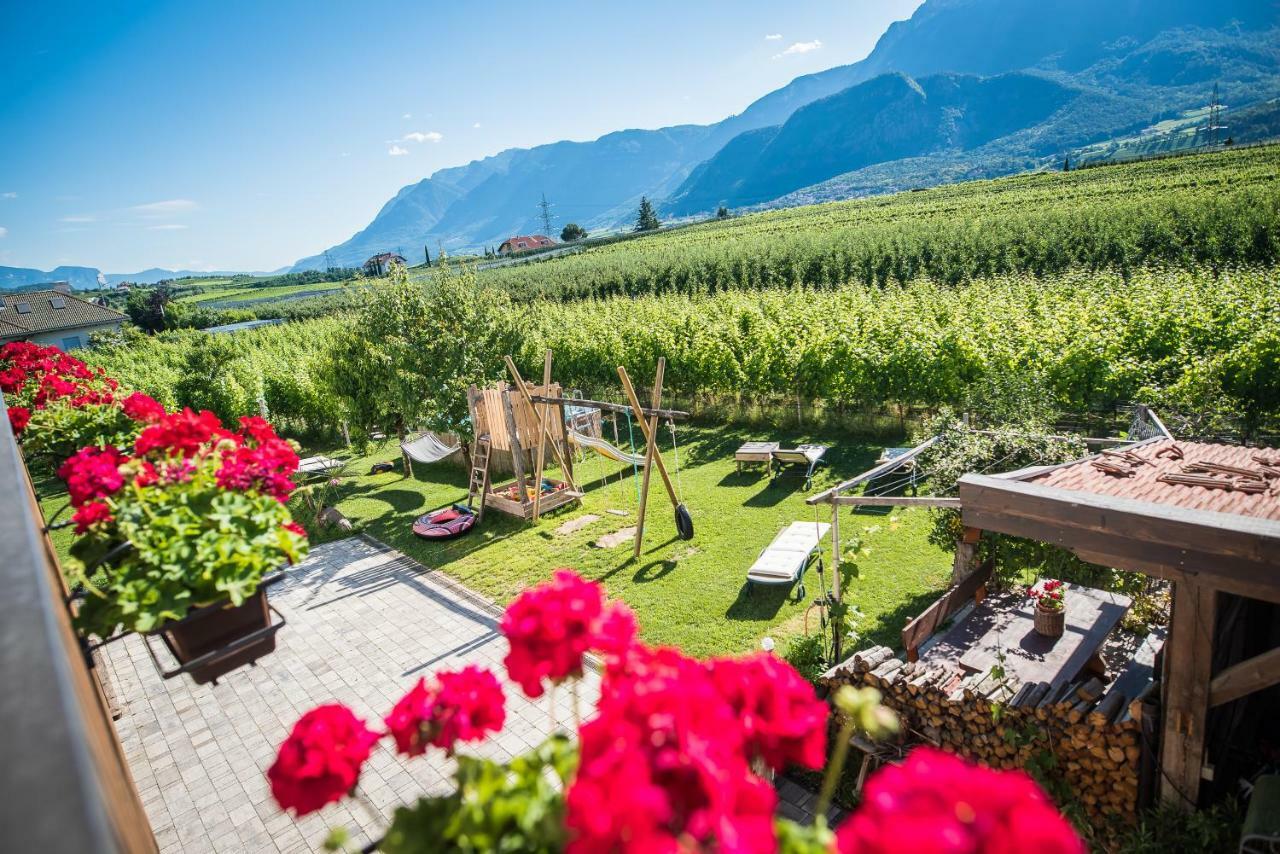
{"x":385,"y":256}
{"x":1152,"y":463}
{"x":533,"y":240}
{"x":41,"y":315}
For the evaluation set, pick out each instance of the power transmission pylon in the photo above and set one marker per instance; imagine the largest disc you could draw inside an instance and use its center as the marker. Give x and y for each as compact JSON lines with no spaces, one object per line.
{"x":546,"y":215}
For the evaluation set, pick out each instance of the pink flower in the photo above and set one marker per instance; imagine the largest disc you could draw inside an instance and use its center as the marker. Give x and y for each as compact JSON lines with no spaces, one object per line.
{"x":92,"y":473}
{"x":615,"y":631}
{"x":260,"y":461}
{"x":783,"y":720}
{"x":460,"y":706}
{"x":90,"y":514}
{"x":142,"y":408}
{"x":549,"y":629}
{"x":935,"y":802}
{"x":321,"y":759}
{"x":294,"y":528}
{"x":19,"y":418}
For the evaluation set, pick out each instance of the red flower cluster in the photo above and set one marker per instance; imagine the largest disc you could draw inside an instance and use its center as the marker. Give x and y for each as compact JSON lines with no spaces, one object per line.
{"x":261,"y":460}
{"x":550,"y":628}
{"x":19,"y":418}
{"x":52,"y":374}
{"x":320,"y":761}
{"x":90,"y":514}
{"x":936,"y":803}
{"x":1051,"y":596}
{"x":461,"y":706}
{"x":183,"y":433}
{"x":92,"y":473}
{"x":142,"y":408}
{"x":783,"y":721}
{"x":666,"y":760}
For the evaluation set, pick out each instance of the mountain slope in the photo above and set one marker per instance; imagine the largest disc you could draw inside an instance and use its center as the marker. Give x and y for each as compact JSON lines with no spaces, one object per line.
{"x":1101,"y":45}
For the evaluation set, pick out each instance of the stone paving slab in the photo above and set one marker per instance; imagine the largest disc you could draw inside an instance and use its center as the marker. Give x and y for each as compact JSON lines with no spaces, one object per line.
{"x":364,"y":623}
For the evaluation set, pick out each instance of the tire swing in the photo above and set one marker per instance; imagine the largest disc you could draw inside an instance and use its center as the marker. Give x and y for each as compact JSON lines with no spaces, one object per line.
{"x":684,"y":522}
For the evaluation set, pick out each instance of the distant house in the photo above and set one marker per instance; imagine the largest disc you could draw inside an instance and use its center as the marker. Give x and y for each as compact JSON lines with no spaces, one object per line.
{"x":54,"y":317}
{"x":512,"y":245}
{"x":380,"y":265}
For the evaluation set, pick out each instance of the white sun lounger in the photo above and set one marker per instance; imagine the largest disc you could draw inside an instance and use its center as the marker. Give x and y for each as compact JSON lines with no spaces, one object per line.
{"x":786,"y":558}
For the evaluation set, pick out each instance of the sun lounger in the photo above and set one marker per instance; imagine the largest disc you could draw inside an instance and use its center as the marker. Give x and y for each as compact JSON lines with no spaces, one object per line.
{"x":790,"y":460}
{"x":318,"y":465}
{"x":790,"y":553}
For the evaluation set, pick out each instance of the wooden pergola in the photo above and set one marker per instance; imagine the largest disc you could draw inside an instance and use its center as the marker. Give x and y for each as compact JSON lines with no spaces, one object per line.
{"x":1184,"y":512}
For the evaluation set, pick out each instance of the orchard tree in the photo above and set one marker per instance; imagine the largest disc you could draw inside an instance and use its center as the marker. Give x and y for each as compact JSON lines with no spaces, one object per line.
{"x":646,"y":218}
{"x":722,"y":212}
{"x":572,"y":232}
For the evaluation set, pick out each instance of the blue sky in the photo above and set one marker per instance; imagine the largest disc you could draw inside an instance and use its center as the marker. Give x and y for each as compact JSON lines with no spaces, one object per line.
{"x":245,"y":135}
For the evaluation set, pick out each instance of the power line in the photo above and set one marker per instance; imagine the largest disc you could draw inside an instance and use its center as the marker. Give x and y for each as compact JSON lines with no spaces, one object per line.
{"x":546,"y":215}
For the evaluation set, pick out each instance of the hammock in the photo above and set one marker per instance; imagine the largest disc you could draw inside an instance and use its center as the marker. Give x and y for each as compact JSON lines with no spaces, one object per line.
{"x":604,"y":449}
{"x":428,"y":448}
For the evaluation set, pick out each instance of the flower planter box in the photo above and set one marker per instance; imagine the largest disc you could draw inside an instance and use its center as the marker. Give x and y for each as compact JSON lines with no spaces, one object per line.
{"x":216,"y":639}
{"x":1051,"y":624}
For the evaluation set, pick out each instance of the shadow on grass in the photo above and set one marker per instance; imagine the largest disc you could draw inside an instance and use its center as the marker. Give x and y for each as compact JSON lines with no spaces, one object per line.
{"x":887,"y":628}
{"x":758,"y":602}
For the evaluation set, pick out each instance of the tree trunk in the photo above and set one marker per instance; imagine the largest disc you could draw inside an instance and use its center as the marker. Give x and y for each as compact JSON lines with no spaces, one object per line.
{"x":401,"y":433}
{"x":465,"y":444}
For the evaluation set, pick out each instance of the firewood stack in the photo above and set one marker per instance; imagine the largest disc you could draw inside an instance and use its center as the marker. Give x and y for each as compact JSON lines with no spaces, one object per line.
{"x":1093,"y":734}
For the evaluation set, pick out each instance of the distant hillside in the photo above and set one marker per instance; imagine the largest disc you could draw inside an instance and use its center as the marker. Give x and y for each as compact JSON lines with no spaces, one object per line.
{"x":1125,"y":60}
{"x":80,"y":278}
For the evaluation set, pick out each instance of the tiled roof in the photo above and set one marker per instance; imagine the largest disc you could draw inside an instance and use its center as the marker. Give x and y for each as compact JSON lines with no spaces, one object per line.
{"x":533,"y":241}
{"x":385,"y":256}
{"x":42,"y":316}
{"x":1143,"y":483}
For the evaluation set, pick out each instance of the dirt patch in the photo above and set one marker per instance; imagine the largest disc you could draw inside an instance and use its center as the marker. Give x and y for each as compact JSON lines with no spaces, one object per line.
{"x":617,"y":538}
{"x":575,"y":525}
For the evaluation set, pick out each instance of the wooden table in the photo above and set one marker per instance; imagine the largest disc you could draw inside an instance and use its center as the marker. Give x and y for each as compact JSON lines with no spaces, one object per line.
{"x":991,"y":631}
{"x":756,"y":452}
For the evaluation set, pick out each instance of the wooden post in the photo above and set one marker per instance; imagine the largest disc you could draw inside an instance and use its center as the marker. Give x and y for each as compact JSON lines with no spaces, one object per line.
{"x":542,"y":438}
{"x":513,"y":439}
{"x":528,"y":399}
{"x":645,"y":431}
{"x":567,"y":454}
{"x":965,"y":554}
{"x":649,"y":452}
{"x":835,"y":550}
{"x":1188,"y":664}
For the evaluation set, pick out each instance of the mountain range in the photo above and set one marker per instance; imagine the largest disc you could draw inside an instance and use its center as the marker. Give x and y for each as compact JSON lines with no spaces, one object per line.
{"x":87,"y":278}
{"x":963,"y":89}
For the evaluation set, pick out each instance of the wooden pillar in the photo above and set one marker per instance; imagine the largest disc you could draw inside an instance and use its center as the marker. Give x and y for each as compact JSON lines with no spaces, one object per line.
{"x":1188,"y":663}
{"x":513,"y":439}
{"x":835,"y":548}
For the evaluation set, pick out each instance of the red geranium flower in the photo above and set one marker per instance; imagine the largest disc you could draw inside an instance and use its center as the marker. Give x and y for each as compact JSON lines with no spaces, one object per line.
{"x":549,"y":628}
{"x":261,"y":461}
{"x":142,"y":408}
{"x":295,"y":528}
{"x":320,"y":761}
{"x":936,"y":802}
{"x":182,"y":433}
{"x":782,"y":719}
{"x":19,"y":417}
{"x":460,"y":706}
{"x":91,"y":514}
{"x":92,"y":473}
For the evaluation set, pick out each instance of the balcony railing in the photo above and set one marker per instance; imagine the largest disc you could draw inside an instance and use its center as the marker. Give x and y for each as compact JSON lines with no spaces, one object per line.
{"x":66,"y":786}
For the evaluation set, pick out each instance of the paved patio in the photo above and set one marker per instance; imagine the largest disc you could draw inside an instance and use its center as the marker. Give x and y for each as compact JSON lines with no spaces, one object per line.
{"x":364,"y":623}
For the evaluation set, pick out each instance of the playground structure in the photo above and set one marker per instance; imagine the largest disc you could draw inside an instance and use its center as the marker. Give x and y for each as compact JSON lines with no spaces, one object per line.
{"x":526,"y":418}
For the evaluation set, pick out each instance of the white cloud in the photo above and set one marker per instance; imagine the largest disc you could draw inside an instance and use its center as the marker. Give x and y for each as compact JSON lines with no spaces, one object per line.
{"x":3,"y":231}
{"x":85,"y":218}
{"x":345,"y":154}
{"x":165,"y":208}
{"x":419,"y":136}
{"x":476,"y":126}
{"x":169,"y":226}
{"x":773,"y":37}
{"x":407,"y":116}
{"x":397,"y":151}
{"x":799,"y":47}
{"x":8,"y":195}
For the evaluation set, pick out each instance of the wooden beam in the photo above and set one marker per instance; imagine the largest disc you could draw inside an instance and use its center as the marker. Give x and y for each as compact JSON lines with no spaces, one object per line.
{"x":648,"y":437}
{"x":528,"y":398}
{"x":1229,"y":552}
{"x":650,"y":449}
{"x":1189,"y":661}
{"x":1245,"y":677}
{"x":673,"y":414}
{"x":896,"y":501}
{"x":871,"y":474}
{"x":517,"y":452}
{"x":919,"y":630}
{"x":542,"y":439}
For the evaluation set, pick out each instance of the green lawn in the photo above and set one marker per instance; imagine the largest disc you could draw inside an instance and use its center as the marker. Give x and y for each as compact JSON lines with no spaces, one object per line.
{"x":690,"y":594}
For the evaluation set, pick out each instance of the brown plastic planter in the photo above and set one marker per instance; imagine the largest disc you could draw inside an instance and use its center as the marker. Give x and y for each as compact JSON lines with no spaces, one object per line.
{"x":218,"y":638}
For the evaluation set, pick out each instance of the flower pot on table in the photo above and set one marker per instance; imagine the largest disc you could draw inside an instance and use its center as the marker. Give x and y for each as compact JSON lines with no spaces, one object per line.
{"x":216,"y":639}
{"x":1051,"y":624}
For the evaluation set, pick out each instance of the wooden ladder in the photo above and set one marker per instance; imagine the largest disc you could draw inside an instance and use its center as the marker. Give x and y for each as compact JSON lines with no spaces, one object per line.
{"x":479,"y":474}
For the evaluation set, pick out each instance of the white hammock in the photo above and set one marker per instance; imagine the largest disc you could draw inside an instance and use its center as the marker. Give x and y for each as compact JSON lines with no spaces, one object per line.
{"x":604,"y":449}
{"x":428,"y":448}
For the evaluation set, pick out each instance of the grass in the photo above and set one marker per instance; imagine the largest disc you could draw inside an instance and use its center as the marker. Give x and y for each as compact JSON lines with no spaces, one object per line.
{"x":240,"y":291}
{"x":691,"y":594}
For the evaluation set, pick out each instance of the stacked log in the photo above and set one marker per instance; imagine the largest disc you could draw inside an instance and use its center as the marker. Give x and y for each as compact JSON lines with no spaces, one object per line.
{"x":1089,"y":736}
